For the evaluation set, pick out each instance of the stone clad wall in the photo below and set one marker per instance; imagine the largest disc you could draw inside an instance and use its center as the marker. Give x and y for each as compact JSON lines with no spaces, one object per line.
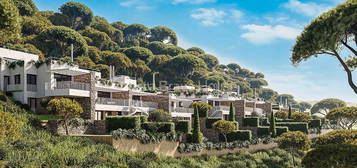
{"x":162,"y":101}
{"x":85,"y":78}
{"x":97,"y":127}
{"x":267,"y":108}
{"x":240,"y":108}
{"x":121,"y":95}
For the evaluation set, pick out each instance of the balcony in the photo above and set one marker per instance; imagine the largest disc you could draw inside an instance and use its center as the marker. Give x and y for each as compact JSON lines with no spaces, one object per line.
{"x":137,"y":103}
{"x":183,"y":110}
{"x":109,"y":101}
{"x":221,"y":108}
{"x":72,"y":85}
{"x":67,"y":88}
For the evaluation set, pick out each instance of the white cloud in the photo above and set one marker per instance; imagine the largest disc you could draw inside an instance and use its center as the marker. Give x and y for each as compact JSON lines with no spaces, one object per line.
{"x":193,"y":1}
{"x":236,"y":14}
{"x":137,"y":4}
{"x":209,"y":16}
{"x":308,"y":9}
{"x":263,"y":34}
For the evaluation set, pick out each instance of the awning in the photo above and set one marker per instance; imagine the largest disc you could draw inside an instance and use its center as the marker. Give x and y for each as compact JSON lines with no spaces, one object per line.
{"x":70,"y":71}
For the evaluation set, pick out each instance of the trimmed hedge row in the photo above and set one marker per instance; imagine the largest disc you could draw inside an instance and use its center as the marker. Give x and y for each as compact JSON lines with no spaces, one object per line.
{"x":315,"y":123}
{"x":143,"y":118}
{"x":210,"y":121}
{"x":264,"y":122}
{"x":183,"y":126}
{"x":123,"y":122}
{"x":263,"y":131}
{"x":164,"y":127}
{"x":240,"y":135}
{"x":284,"y":120}
{"x":251,"y":122}
{"x":281,"y":130}
{"x":295,"y":126}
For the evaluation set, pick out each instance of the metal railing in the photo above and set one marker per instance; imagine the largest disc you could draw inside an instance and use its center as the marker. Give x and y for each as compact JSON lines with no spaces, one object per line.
{"x":221,"y":108}
{"x":138,"y":103}
{"x":183,"y":110}
{"x":109,"y":101}
{"x":71,"y":85}
{"x":31,"y":88}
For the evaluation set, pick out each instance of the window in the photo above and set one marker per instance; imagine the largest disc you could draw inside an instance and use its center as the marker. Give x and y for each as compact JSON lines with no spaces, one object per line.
{"x":180,"y":104}
{"x":172,"y":104}
{"x":31,"y":79}
{"x":216,"y":103}
{"x":7,"y":80}
{"x":104,"y":94}
{"x":17,"y":79}
{"x":60,"y":77}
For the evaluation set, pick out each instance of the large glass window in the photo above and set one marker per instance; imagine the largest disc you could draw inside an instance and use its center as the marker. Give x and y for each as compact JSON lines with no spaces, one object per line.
{"x":31,"y":79}
{"x":104,"y":94}
{"x":60,"y":77}
{"x":17,"y":79}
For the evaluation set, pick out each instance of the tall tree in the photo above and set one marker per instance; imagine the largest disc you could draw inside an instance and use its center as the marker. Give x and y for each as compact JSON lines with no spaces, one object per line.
{"x":138,"y":53}
{"x":174,"y":50}
{"x":119,"y":25}
{"x":257,"y":83}
{"x":65,"y":108}
{"x":324,"y":106}
{"x":195,"y":51}
{"x":34,"y":25}
{"x":134,"y":31}
{"x":184,"y":65}
{"x":121,"y":62}
{"x":268,"y":94}
{"x":26,"y":7}
{"x":56,"y":42}
{"x":210,"y":60}
{"x":79,"y":14}
{"x":232,"y":115}
{"x":99,"y":39}
{"x":157,"y":47}
{"x":304,"y":106}
{"x":344,"y":117}
{"x":329,"y":35}
{"x":163,"y":34}
{"x":272,"y":128}
{"x":224,"y":127}
{"x":197,"y":136}
{"x":140,"y":68}
{"x":9,"y":21}
{"x":290,"y":113}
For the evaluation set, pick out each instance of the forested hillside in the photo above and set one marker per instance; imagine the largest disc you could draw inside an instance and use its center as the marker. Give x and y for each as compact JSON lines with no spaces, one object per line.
{"x":133,"y":49}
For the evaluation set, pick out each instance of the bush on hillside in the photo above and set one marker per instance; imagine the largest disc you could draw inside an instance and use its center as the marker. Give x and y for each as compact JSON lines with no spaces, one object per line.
{"x":159,"y":115}
{"x":301,"y":117}
{"x":123,"y":122}
{"x":183,"y":126}
{"x":294,"y":140}
{"x":336,"y":137}
{"x":164,"y":127}
{"x":250,"y":122}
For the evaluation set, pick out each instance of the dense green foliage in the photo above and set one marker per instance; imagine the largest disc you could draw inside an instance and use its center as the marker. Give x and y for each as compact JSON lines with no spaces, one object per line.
{"x":159,"y":116}
{"x":9,"y":127}
{"x":224,"y":127}
{"x":337,"y":137}
{"x":333,"y":155}
{"x":232,"y":115}
{"x":202,"y":107}
{"x":211,"y":120}
{"x":281,"y":114}
{"x":123,"y":122}
{"x":183,"y":126}
{"x":272,"y":127}
{"x":197,"y":136}
{"x":295,"y":126}
{"x":240,"y":135}
{"x":263,"y":131}
{"x":250,"y":122}
{"x":165,"y":127}
{"x":294,"y":140}
{"x":344,"y":117}
{"x":315,"y":123}
{"x":324,"y":106}
{"x":9,"y":21}
{"x":300,"y":117}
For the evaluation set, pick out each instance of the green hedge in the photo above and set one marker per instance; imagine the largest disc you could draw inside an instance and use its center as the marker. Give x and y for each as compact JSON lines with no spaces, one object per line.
{"x":123,"y":122}
{"x":240,"y":135}
{"x":251,"y":122}
{"x":281,"y":130}
{"x":143,"y":119}
{"x":237,"y":125}
{"x":284,"y":120}
{"x":183,"y":126}
{"x":263,"y":131}
{"x":295,"y":126}
{"x":315,"y":123}
{"x":210,"y":121}
{"x":164,"y":127}
{"x":264,"y":122}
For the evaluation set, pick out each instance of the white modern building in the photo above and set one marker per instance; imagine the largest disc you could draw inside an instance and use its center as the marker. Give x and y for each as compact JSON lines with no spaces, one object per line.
{"x":31,"y":80}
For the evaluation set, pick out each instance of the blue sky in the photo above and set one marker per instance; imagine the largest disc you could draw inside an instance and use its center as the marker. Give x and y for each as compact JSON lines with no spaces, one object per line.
{"x":257,"y":34}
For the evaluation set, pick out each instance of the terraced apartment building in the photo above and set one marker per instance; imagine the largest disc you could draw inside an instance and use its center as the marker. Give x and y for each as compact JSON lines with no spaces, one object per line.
{"x":31,"y":80}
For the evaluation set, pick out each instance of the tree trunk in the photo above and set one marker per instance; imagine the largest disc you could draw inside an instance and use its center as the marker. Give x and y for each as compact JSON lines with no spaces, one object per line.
{"x":66,"y":127}
{"x":225,"y":137}
{"x":348,"y":71}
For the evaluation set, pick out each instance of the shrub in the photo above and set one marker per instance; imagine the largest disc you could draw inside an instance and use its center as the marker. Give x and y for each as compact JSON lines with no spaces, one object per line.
{"x":143,"y":118}
{"x":295,"y":126}
{"x":281,"y":130}
{"x":301,"y":117}
{"x":183,"y":126}
{"x":9,"y":127}
{"x":264,"y":122}
{"x":143,"y":136}
{"x":263,"y":131}
{"x":272,"y":126}
{"x":123,"y":122}
{"x":10,"y":94}
{"x":203,"y":108}
{"x":251,"y":122}
{"x":159,"y":116}
{"x":293,"y":140}
{"x":3,"y":98}
{"x":211,"y":121}
{"x":232,"y":114}
{"x":240,"y":135}
{"x":337,"y":137}
{"x":224,"y":127}
{"x":315,"y":123}
{"x":333,"y":155}
{"x":344,"y":117}
{"x":164,"y":127}
{"x":281,"y":114}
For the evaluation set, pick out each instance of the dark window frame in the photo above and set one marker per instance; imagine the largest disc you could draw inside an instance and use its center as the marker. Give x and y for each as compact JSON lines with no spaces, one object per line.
{"x":17,"y":79}
{"x":31,"y":79}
